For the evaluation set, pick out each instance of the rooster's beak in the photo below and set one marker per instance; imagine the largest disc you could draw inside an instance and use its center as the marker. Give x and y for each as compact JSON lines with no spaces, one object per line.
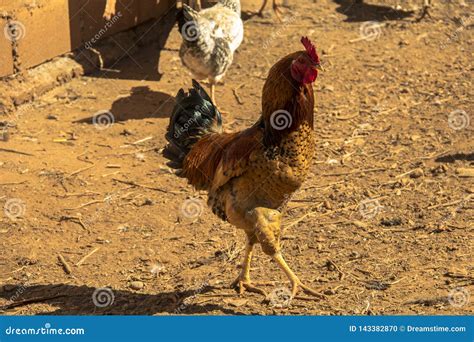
{"x":319,"y":67}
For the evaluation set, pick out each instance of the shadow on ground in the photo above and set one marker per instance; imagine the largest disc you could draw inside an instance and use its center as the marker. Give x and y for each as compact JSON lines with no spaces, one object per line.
{"x":87,"y":22}
{"x":359,"y":12}
{"x":142,"y":103}
{"x":451,"y":158}
{"x":78,"y":300}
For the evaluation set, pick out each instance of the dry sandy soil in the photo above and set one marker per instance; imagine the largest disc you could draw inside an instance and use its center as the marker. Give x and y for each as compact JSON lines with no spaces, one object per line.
{"x":383,"y":225}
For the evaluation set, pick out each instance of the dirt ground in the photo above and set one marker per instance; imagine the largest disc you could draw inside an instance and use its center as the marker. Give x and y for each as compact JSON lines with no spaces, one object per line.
{"x":383,"y":225}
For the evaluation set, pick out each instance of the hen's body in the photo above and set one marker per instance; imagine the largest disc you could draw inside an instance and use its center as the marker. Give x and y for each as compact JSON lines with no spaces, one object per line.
{"x":251,"y":175}
{"x":210,"y":38}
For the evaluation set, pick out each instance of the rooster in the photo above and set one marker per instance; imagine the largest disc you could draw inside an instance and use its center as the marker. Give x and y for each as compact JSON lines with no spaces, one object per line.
{"x":210,"y":38}
{"x":250,"y":175}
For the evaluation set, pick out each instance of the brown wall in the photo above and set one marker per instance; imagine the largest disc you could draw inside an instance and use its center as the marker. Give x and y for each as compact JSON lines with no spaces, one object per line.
{"x":54,"y":27}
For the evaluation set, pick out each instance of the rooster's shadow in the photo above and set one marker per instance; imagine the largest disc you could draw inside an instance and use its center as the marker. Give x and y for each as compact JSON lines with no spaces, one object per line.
{"x":79,"y":300}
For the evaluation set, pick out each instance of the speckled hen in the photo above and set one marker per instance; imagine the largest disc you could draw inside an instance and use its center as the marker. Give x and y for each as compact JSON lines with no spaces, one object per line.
{"x":210,"y":38}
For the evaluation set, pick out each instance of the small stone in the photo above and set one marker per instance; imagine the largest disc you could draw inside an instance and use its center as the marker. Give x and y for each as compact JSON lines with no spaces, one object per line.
{"x":122,"y":228}
{"x":329,"y":292}
{"x":360,"y":224}
{"x":137,"y":285}
{"x":417,"y":173}
{"x":327,"y":205}
{"x":465,"y":172}
{"x":140,"y":156}
{"x":148,"y":202}
{"x":126,"y":132}
{"x":389,"y":222}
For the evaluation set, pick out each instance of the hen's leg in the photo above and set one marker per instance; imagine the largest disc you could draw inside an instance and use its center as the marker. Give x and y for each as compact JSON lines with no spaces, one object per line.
{"x":275,"y":7}
{"x":213,"y":91}
{"x":260,"y":12}
{"x":268,"y":227}
{"x":277,"y":11}
{"x":425,"y":10}
{"x":213,"y":97}
{"x":198,"y":6}
{"x":243,"y":281}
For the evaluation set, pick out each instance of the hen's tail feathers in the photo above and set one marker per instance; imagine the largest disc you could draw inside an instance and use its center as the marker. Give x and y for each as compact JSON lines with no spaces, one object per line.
{"x":194,"y":116}
{"x":187,"y":19}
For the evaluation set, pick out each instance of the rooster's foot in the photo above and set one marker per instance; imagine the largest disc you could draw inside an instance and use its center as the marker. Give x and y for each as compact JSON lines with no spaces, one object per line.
{"x":241,"y":285}
{"x":306,"y":289}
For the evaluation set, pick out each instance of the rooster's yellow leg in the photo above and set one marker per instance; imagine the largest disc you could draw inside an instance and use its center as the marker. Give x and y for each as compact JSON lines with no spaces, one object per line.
{"x":268,"y":230}
{"x":295,"y":281}
{"x":243,"y":282}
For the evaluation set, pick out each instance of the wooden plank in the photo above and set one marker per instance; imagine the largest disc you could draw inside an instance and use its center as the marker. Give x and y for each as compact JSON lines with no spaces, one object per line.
{"x":6,"y":58}
{"x":96,"y":27}
{"x":46,"y":33}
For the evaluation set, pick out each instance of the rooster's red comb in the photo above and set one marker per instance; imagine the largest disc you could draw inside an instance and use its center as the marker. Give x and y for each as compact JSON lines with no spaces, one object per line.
{"x":310,"y":49}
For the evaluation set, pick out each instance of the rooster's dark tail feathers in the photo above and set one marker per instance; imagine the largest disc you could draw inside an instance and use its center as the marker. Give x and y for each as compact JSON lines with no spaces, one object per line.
{"x":194,"y":116}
